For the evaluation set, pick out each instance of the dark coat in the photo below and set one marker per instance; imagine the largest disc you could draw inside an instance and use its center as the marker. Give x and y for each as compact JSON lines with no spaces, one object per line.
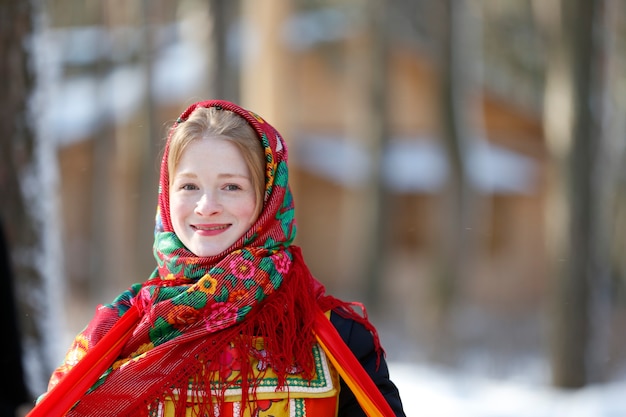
{"x":13,"y":391}
{"x":361,"y":343}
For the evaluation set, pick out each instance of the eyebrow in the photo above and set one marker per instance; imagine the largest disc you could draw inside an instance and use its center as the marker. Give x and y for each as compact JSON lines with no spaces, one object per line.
{"x":221,"y":175}
{"x":231,"y":175}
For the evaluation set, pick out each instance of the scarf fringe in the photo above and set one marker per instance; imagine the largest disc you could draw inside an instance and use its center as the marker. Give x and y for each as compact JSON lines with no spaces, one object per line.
{"x":283,"y":321}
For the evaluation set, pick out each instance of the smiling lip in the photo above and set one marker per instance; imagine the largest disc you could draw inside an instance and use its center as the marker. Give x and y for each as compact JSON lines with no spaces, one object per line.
{"x":210,"y":229}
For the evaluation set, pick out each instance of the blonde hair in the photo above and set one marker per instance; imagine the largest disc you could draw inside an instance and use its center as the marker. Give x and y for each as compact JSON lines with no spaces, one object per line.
{"x":207,"y":123}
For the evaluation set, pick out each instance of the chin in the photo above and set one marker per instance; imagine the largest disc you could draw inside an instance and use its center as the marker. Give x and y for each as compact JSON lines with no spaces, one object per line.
{"x":205,"y":252}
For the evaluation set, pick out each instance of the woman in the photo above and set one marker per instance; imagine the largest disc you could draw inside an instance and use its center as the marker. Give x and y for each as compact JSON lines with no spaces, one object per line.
{"x":231,"y":305}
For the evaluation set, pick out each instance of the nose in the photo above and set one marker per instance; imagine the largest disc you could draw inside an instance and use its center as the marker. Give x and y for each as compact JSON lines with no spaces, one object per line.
{"x":208,"y":204}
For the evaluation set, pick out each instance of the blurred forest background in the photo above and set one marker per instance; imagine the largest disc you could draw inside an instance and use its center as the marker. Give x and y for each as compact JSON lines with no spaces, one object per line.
{"x":457,"y":165}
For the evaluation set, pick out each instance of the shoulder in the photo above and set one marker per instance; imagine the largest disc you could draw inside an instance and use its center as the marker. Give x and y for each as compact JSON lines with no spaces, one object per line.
{"x":361,"y":342}
{"x":354,"y":334}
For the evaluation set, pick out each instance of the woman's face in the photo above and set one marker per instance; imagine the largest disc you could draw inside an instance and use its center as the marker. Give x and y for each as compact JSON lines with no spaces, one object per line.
{"x":212,"y":199}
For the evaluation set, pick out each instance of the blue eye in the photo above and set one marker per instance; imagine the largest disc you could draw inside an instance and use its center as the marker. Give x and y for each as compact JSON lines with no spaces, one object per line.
{"x":188,"y":187}
{"x":232,"y":187}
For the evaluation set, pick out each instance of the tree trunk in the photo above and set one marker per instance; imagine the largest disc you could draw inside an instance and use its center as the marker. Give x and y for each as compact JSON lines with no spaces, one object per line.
{"x":149,"y":147}
{"x":265,"y":79}
{"x":364,"y":238}
{"x":25,"y":203}
{"x":223,"y":78}
{"x":376,"y":137}
{"x":459,"y":197}
{"x":576,"y":226}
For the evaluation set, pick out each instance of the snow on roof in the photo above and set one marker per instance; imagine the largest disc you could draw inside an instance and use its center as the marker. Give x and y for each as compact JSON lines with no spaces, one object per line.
{"x":78,"y":105}
{"x":414,"y":165}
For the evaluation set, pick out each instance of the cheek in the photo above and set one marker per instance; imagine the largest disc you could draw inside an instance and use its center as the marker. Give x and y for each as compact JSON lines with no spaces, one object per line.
{"x":177,"y":209}
{"x":251,"y":212}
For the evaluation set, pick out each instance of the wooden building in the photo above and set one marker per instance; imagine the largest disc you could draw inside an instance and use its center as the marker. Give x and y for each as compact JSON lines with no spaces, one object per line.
{"x":108,"y":176}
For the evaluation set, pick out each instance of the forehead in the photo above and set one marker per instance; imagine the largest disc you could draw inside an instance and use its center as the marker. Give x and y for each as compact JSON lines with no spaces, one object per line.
{"x":212,"y":155}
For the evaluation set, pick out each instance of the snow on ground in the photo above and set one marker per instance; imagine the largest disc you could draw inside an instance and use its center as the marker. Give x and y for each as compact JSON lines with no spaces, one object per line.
{"x":431,"y":392}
